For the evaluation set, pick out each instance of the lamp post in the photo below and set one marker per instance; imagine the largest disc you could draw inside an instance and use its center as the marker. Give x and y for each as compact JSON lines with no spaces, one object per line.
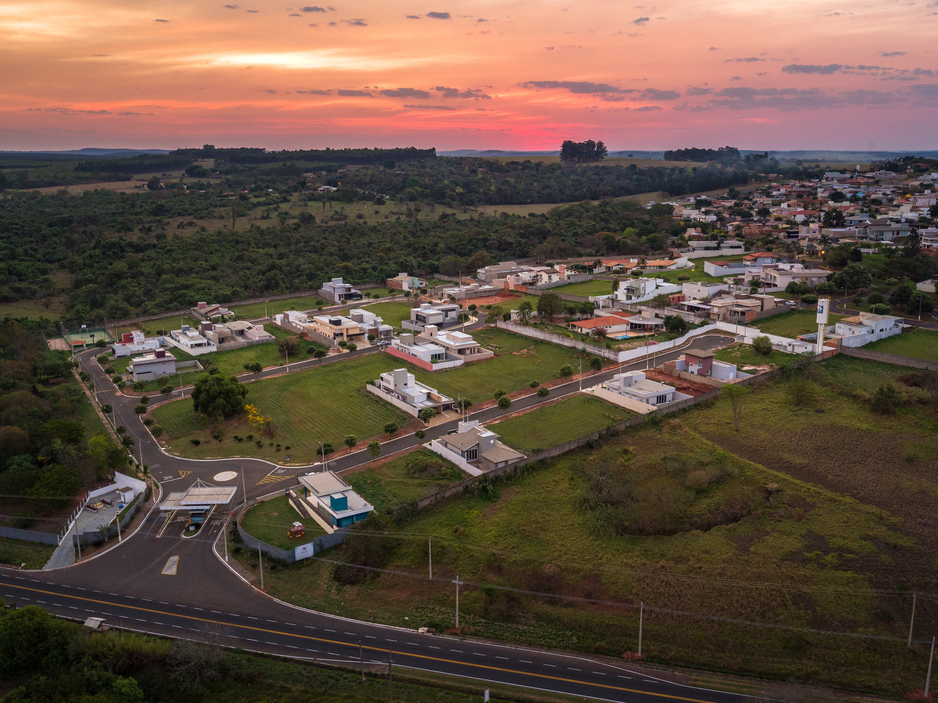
{"x":457,"y":582}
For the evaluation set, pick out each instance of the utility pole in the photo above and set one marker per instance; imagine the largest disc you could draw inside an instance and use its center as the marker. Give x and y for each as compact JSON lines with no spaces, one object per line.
{"x":931,"y":658}
{"x":912,"y":621}
{"x":457,"y":582}
{"x":361,"y":661}
{"x":117,"y":519}
{"x":641,"y":622}
{"x":581,"y":374}
{"x":430,"y":547}
{"x":260,"y":559}
{"x":390,"y":679}
{"x":225,"y":533}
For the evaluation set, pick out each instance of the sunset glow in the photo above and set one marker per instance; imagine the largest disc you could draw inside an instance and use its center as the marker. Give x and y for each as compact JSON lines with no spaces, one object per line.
{"x":475,"y":74}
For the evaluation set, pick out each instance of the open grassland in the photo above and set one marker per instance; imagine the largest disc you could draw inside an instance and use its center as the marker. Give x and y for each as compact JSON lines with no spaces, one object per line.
{"x":33,"y":309}
{"x":255,"y":311}
{"x":544,"y":208}
{"x":809,"y":520}
{"x":918,"y":343}
{"x":558,"y":423}
{"x":320,"y":404}
{"x":793,"y":323}
{"x":270,"y":520}
{"x":608,"y":161}
{"x":392,"y":484}
{"x":519,"y":361}
{"x":149,"y":327}
{"x":392,"y":313}
{"x":15,"y":552}
{"x":597,"y":286}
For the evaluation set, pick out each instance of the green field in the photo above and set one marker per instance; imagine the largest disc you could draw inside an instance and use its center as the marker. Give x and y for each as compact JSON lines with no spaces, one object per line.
{"x":270,"y":520}
{"x":405,"y":480}
{"x":744,"y":355}
{"x":15,"y":552}
{"x":392,"y":313}
{"x":149,"y":327}
{"x":324,"y":403}
{"x":32,"y":309}
{"x":519,"y":361}
{"x":597,"y":286}
{"x":918,"y":343}
{"x":558,"y":423}
{"x":789,"y":522}
{"x":793,"y":323}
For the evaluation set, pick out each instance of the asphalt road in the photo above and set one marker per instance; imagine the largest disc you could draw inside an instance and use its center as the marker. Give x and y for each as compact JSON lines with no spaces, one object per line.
{"x":159,"y":582}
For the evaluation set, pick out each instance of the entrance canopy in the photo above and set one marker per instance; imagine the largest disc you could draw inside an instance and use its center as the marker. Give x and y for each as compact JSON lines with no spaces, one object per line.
{"x":201,"y":496}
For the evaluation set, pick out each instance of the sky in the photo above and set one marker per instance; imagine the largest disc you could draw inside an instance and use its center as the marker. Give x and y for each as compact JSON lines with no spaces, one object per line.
{"x":474,"y":74}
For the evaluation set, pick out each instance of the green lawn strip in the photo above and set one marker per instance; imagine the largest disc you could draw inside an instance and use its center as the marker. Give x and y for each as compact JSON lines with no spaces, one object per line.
{"x":149,"y":327}
{"x":324,"y":403}
{"x":558,"y":423}
{"x":404,"y":480}
{"x":270,"y":520}
{"x":15,"y":552}
{"x":918,"y":343}
{"x":519,"y":361}
{"x":392,"y":313}
{"x":253,"y":311}
{"x":596,"y":286}
{"x":32,"y":310}
{"x":854,"y":374}
{"x":793,"y":323}
{"x":743,"y":355}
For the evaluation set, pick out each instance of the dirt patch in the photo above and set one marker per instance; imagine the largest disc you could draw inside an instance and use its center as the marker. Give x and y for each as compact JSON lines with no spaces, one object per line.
{"x":681,"y":384}
{"x":489,"y":300}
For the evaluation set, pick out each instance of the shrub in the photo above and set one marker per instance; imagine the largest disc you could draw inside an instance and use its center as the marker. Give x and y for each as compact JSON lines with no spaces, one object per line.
{"x":139,"y":386}
{"x":762,"y":345}
{"x":148,"y":421}
{"x":683,"y":277}
{"x":144,"y":399}
{"x":504,"y":402}
{"x":166,"y":390}
{"x":350,"y":440}
{"x":390,"y":428}
{"x":196,"y":442}
{"x":157,"y":431}
{"x":343,"y":344}
{"x":374,"y":448}
{"x":809,"y":299}
{"x":534,"y":384}
{"x":543,"y":392}
{"x":886,"y":400}
{"x":420,"y":434}
{"x":351,"y":346}
{"x":566,"y":371}
{"x":880,"y":309}
{"x":499,"y":392}
{"x":596,"y":363}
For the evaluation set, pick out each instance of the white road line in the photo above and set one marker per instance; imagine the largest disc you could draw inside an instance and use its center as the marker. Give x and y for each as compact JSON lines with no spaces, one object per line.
{"x":478,"y":654}
{"x":524,"y":661}
{"x":552,"y":666}
{"x":570,"y":668}
{"x":505,"y":658}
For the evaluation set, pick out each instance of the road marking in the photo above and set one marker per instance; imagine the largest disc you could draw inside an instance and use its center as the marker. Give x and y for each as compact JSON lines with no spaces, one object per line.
{"x":273,"y":479}
{"x":505,"y":658}
{"x":552,"y":666}
{"x":171,"y":565}
{"x":487,"y":667}
{"x":183,"y":474}
{"x":524,"y":661}
{"x":570,"y":668}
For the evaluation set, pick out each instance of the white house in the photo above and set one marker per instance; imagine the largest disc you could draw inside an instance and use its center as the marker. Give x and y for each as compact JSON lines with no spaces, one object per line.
{"x":634,"y":385}
{"x":695,"y":290}
{"x":333,"y":499}
{"x":402,"y":390}
{"x":133,"y":343}
{"x":637,"y":290}
{"x":150,"y":366}
{"x":190,"y":341}
{"x":456,"y":343}
{"x":441,"y":316}
{"x":866,"y":327}
{"x":335,"y":291}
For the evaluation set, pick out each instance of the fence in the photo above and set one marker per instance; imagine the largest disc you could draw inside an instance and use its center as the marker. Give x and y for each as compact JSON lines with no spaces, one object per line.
{"x":893,"y":359}
{"x":98,"y":536}
{"x":554,"y":338}
{"x":29,"y":535}
{"x":289,"y":556}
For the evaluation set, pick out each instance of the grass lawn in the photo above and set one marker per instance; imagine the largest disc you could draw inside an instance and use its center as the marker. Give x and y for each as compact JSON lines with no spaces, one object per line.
{"x":15,"y":552}
{"x":270,"y":520}
{"x":149,"y":327}
{"x":32,"y":309}
{"x":696,"y":274}
{"x":559,"y":423}
{"x":405,"y":480}
{"x":320,"y":404}
{"x":253,"y":311}
{"x":511,"y":304}
{"x":519,"y":361}
{"x":744,"y":355}
{"x":860,"y":374}
{"x":596,"y":286}
{"x":794,"y":322}
{"x":392,"y":313}
{"x":918,"y":343}
{"x":690,"y":515}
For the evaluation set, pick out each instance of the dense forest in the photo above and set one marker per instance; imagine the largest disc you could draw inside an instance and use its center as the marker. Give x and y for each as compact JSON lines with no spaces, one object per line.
{"x":46,"y":450}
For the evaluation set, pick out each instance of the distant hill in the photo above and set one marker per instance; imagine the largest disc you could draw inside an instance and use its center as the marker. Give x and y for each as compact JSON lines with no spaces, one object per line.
{"x":86,"y":153}
{"x":860,"y":157}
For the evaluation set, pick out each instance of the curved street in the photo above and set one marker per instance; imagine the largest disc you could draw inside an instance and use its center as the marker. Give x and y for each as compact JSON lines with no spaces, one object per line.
{"x":156,"y":581}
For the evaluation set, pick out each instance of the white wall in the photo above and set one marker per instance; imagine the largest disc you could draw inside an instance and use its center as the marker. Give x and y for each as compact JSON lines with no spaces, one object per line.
{"x":452,"y":456}
{"x":396,"y":402}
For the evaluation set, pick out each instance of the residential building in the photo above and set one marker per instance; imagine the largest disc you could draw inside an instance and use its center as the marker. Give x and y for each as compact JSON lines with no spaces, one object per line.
{"x":701,"y":291}
{"x":458,"y":344}
{"x":783,"y":274}
{"x":760,"y":258}
{"x":205,"y":311}
{"x":336,"y":328}
{"x":866,"y":327}
{"x":882,"y":230}
{"x":473,"y":444}
{"x":637,"y":290}
{"x":154,"y":365}
{"x":473,"y":290}
{"x":504,"y":269}
{"x":335,"y":291}
{"x":611,"y":324}
{"x":740,"y":308}
{"x":333,"y":499}
{"x":929,"y":237}
{"x":423,"y":351}
{"x":441,"y":316}
{"x":236,"y":332}
{"x":405,"y":282}
{"x":190,"y":341}
{"x":700,"y":362}
{"x":133,"y":343}
{"x":401,"y":389}
{"x":371,"y":325}
{"x":634,"y":385}
{"x":293,"y":321}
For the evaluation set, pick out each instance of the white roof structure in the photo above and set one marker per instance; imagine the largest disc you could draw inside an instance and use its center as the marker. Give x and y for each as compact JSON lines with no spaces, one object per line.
{"x":200,"y":496}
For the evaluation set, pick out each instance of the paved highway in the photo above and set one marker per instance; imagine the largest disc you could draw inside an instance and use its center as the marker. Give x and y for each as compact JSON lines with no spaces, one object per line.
{"x":159,"y":582}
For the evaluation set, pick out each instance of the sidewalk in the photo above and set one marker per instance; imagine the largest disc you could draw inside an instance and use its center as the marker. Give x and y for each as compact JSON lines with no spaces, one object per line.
{"x":64,"y":554}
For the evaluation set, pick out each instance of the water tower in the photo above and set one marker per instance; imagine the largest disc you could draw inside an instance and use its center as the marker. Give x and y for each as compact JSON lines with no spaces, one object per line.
{"x":823,"y":306}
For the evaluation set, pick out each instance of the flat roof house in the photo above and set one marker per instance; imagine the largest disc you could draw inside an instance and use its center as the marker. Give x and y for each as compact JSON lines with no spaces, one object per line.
{"x":206,"y":311}
{"x":401,"y":389}
{"x":336,"y":328}
{"x":335,"y":291}
{"x":190,"y":341}
{"x":634,"y":385}
{"x":333,"y":499}
{"x":405,"y":282}
{"x":441,"y":316}
{"x":154,"y":365}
